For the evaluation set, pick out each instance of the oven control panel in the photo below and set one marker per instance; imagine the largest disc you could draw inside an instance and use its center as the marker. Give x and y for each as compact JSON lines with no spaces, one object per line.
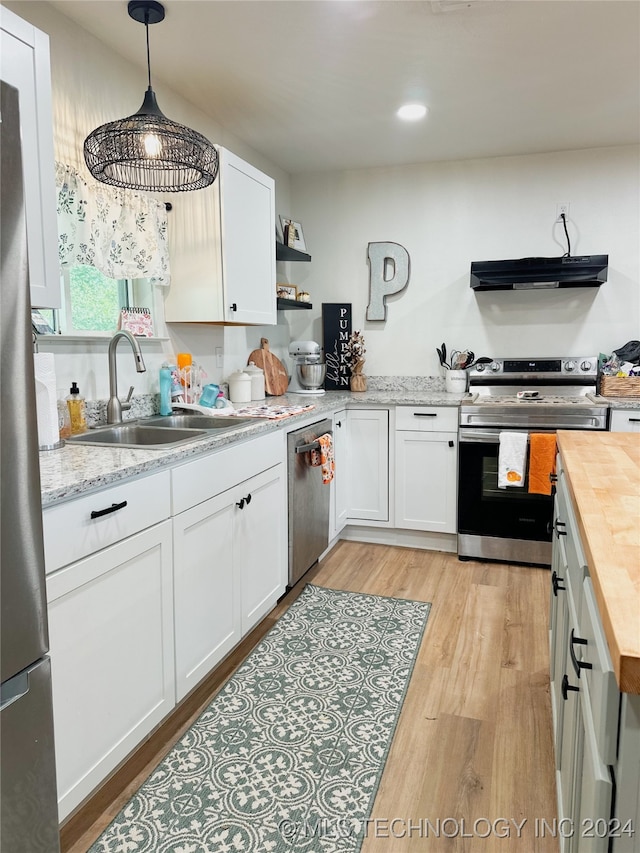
{"x":585,"y":367}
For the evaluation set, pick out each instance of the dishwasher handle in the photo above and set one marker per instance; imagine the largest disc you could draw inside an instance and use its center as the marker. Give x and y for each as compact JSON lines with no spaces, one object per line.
{"x":305,"y":448}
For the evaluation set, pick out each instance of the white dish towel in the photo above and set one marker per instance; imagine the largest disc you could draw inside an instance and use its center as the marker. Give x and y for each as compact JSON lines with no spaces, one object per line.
{"x":512,"y":459}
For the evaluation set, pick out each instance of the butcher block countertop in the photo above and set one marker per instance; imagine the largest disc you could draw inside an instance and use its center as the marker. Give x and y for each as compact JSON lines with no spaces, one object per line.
{"x":603,"y":473}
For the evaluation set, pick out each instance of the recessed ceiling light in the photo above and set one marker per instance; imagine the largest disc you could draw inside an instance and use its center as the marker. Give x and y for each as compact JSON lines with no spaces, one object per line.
{"x":412,"y":112}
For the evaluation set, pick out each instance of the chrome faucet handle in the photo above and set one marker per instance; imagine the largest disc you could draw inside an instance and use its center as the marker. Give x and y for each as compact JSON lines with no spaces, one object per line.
{"x":125,"y":405}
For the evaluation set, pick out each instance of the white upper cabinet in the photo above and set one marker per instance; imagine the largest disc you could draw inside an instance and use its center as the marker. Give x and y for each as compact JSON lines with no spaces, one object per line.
{"x":24,"y":64}
{"x":223,"y":254}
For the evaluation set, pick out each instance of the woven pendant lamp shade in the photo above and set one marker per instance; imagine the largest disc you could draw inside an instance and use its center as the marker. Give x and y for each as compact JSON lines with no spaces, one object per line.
{"x":147,"y":150}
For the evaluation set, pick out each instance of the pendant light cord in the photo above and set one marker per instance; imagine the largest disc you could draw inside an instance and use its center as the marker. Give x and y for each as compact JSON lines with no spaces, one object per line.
{"x":146,"y":27}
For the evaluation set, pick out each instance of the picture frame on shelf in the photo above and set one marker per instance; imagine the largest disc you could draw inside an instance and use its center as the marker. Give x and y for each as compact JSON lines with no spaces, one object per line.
{"x":287,"y":291}
{"x":297,"y":241}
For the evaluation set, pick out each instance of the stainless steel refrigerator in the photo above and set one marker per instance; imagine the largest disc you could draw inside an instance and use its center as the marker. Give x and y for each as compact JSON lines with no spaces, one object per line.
{"x":29,"y":811}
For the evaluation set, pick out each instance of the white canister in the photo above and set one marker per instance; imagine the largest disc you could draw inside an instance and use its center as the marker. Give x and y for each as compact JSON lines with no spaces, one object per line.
{"x":240,"y":387}
{"x":455,"y":381}
{"x":257,"y":381}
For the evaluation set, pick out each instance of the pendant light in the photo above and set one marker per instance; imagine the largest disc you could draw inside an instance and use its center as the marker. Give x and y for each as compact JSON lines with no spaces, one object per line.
{"x":146,"y":150}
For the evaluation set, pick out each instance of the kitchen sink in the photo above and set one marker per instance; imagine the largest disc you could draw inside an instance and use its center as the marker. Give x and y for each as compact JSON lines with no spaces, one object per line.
{"x":209,"y":422}
{"x":138,"y":435}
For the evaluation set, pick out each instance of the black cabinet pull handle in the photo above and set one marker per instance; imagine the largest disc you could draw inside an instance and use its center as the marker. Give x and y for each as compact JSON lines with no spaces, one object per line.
{"x":247,"y":500}
{"x":634,"y":420}
{"x":98,"y":513}
{"x":234,"y":307}
{"x":553,"y":478}
{"x":557,"y":526}
{"x":452,"y":444}
{"x":338,"y":423}
{"x":555,"y":583}
{"x":425,"y":414}
{"x":240,"y":504}
{"x":566,"y":687}
{"x":577,"y":664}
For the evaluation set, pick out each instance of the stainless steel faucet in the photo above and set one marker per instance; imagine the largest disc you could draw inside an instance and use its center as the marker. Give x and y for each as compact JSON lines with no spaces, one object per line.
{"x":115,"y":407}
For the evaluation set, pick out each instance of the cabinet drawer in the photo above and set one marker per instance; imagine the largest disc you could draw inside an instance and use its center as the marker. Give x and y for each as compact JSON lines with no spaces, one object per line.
{"x":601,"y":680}
{"x":577,"y":564}
{"x":427,"y":418}
{"x":71,"y":533}
{"x":211,"y":475}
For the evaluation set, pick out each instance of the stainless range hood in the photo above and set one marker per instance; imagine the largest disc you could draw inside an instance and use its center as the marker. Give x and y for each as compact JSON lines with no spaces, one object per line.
{"x":540,"y":273}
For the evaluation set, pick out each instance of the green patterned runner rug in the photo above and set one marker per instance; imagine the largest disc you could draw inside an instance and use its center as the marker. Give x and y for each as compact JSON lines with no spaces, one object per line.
{"x":289,"y":754}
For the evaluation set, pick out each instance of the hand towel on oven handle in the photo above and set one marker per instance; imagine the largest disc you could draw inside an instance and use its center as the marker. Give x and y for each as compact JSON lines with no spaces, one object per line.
{"x":542,"y":462}
{"x":324,"y":457}
{"x":512,"y":459}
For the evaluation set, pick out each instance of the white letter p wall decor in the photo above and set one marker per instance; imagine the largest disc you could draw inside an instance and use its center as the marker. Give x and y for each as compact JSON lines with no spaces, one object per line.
{"x":389,"y":267}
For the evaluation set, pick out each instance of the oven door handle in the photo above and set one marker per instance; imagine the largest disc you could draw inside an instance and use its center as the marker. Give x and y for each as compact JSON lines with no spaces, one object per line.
{"x":479,"y":436}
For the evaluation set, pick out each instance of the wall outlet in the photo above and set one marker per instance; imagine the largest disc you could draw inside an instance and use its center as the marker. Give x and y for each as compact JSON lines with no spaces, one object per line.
{"x":560,"y":209}
{"x":219,"y":358}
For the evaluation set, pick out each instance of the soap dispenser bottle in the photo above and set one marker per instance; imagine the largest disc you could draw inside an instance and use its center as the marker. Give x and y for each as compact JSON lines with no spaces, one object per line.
{"x":76,"y":406}
{"x":166,"y":383}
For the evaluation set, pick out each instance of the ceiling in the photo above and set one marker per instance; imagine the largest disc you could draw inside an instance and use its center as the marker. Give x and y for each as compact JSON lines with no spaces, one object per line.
{"x":314,"y":84}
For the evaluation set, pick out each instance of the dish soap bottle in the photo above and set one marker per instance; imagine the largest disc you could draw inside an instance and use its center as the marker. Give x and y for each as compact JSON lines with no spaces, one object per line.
{"x":166,"y":383}
{"x":75,"y":404}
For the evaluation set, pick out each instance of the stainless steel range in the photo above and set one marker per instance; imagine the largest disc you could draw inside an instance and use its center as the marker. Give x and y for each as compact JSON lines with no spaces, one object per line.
{"x":517,"y":395}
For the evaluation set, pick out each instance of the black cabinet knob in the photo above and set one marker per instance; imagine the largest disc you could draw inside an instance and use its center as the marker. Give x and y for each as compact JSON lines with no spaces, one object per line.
{"x":566,"y":687}
{"x":234,"y":307}
{"x":555,"y":583}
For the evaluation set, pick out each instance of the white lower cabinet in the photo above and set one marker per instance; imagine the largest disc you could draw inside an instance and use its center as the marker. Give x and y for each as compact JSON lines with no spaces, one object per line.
{"x":230,"y":550}
{"x":368,"y":464}
{"x":229,"y":570}
{"x":111,"y":642}
{"x":596,"y":728}
{"x":340,"y":485}
{"x":625,"y":420}
{"x":426,"y":468}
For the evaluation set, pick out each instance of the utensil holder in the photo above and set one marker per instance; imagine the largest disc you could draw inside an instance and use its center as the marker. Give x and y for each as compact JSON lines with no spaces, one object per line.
{"x":455,"y":381}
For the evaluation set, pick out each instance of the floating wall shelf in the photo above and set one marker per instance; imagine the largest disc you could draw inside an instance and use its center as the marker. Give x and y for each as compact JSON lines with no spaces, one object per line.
{"x":291,"y":304}
{"x":284,"y":253}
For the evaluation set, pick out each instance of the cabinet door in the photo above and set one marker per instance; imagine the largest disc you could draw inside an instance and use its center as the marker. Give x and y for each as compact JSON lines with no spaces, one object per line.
{"x":368,"y":466}
{"x":260,"y":539}
{"x":339,"y":486}
{"x":625,"y":421}
{"x":25,"y":65}
{"x":111,"y":639}
{"x":247,"y":212}
{"x":207,"y":604}
{"x":594,"y":788}
{"x":426,"y":467}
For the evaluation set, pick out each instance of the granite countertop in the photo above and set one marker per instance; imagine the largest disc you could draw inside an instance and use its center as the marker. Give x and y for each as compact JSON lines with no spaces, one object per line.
{"x":620,"y":402}
{"x":603,"y":473}
{"x":76,"y":469}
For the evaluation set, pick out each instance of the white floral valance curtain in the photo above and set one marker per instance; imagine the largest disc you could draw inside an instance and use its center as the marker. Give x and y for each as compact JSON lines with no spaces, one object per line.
{"x":119,"y":232}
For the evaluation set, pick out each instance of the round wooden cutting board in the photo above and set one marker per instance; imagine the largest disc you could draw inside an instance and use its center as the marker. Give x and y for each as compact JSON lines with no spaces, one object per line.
{"x":276,"y":380}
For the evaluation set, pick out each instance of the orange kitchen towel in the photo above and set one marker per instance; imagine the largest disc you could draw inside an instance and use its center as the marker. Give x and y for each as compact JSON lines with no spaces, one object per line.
{"x":542,"y":461}
{"x":326,"y":457}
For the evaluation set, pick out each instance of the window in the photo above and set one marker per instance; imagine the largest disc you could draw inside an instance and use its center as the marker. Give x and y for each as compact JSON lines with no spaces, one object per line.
{"x":91,"y":302}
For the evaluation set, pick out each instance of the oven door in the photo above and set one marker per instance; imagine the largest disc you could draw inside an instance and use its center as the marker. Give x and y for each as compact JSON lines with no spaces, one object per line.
{"x":493,"y":523}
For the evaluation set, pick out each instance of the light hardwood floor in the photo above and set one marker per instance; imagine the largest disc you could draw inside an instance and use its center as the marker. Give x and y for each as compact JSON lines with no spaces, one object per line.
{"x":471,"y":767}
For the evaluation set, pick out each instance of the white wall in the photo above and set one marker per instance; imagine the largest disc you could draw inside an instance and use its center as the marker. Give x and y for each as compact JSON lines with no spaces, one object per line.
{"x":92,"y":85}
{"x":449,"y":214}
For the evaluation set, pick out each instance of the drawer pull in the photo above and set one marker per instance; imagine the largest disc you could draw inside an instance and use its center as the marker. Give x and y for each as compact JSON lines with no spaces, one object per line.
{"x":577,"y":664}
{"x":555,"y":582}
{"x":557,"y":527}
{"x":566,"y":687}
{"x":98,"y":513}
{"x":553,"y":478}
{"x":452,"y":444}
{"x":634,"y":420}
{"x":425,"y":414}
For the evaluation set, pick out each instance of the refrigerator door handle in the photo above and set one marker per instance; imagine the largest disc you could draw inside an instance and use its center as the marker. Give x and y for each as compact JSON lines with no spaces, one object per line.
{"x":13,"y":690}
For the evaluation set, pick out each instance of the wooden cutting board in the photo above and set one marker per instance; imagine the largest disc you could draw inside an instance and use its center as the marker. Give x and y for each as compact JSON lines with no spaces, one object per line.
{"x":276,"y":380}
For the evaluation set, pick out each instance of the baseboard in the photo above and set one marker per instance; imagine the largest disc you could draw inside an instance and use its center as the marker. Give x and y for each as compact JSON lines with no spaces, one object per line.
{"x":403,"y":538}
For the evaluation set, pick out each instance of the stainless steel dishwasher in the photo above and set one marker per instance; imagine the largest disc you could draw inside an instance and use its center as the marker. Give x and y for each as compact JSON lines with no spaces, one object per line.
{"x":308,"y":500}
